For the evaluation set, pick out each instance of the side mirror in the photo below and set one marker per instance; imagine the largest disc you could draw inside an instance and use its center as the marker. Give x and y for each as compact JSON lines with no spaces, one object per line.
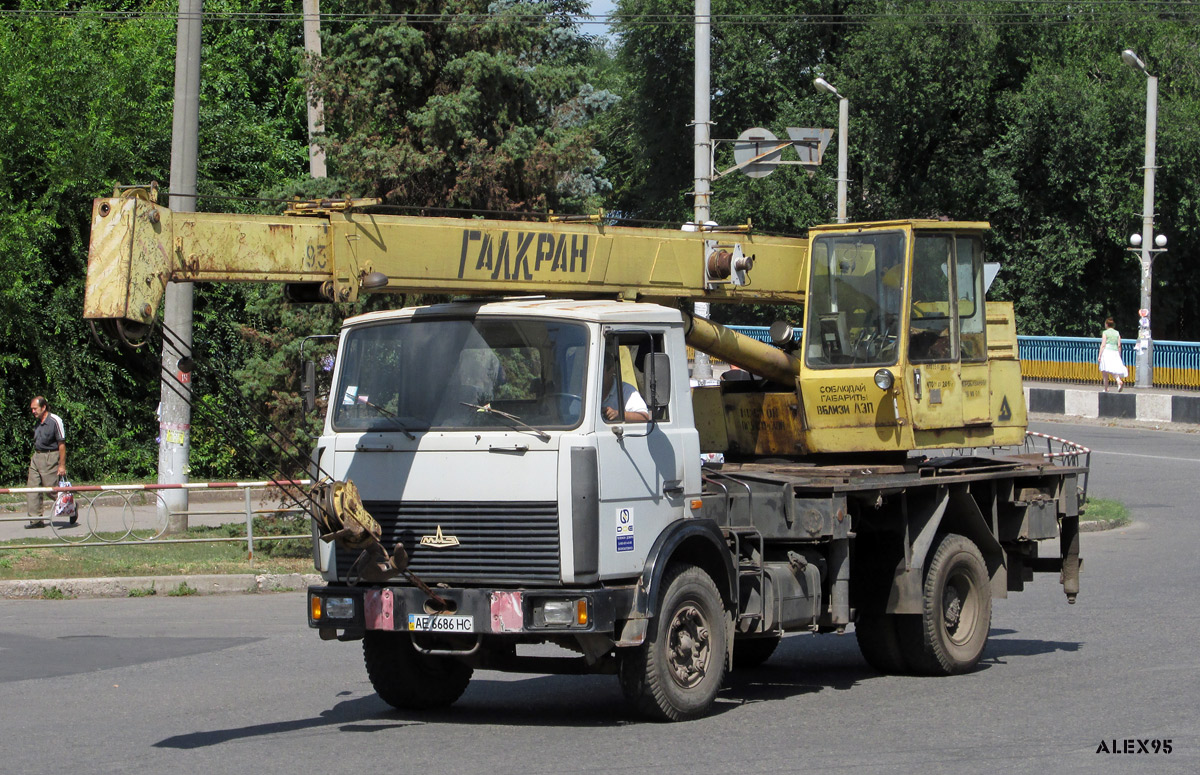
{"x":658,"y":379}
{"x":308,"y":387}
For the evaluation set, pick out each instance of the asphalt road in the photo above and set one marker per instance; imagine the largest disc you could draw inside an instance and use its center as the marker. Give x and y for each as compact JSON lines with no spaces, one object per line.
{"x":239,"y":684}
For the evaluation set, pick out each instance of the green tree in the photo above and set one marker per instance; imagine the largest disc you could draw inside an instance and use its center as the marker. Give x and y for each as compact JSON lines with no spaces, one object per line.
{"x":88,"y":102}
{"x":478,"y":105}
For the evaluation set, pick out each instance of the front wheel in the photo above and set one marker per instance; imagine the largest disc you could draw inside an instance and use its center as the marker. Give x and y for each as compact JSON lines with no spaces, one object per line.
{"x":676,"y":674}
{"x":951,"y":632}
{"x":407,"y":679}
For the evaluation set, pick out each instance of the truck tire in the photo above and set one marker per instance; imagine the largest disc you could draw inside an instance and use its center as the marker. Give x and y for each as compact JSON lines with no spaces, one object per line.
{"x":952,"y":630}
{"x":676,"y":673}
{"x":752,"y":652}
{"x":879,"y":643}
{"x":409,"y":680}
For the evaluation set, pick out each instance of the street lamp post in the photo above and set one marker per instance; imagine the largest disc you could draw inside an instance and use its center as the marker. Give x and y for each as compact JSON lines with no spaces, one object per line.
{"x":843,"y":144}
{"x":1145,"y":350}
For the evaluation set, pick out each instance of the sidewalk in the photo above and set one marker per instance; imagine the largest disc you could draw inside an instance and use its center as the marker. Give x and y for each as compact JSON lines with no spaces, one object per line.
{"x":1151,"y":405}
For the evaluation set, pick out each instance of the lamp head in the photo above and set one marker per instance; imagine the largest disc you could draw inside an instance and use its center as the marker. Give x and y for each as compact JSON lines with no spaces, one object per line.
{"x":1135,"y":240}
{"x":1131,"y":59}
{"x":823,"y":85}
{"x":1160,"y":241}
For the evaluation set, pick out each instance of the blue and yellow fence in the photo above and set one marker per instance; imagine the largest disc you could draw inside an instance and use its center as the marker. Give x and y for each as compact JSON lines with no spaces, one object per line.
{"x":1073,"y":359}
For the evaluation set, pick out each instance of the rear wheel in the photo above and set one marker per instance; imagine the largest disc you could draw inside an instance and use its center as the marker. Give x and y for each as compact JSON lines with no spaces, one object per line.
{"x":407,"y":679}
{"x":676,"y":674}
{"x":951,"y":632}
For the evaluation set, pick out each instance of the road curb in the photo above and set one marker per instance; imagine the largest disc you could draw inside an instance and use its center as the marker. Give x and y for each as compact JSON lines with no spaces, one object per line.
{"x":1098,"y":525}
{"x":1142,"y":404}
{"x":141,"y":586}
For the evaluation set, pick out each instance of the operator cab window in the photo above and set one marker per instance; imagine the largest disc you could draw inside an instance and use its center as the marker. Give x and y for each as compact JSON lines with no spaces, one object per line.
{"x":624,"y":387}
{"x":854,"y":300}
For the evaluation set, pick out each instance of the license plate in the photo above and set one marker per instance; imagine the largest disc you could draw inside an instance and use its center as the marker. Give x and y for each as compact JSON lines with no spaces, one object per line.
{"x":440,"y":623}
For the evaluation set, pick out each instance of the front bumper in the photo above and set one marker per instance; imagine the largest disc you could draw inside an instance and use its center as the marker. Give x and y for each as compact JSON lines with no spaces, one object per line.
{"x":492,"y":611}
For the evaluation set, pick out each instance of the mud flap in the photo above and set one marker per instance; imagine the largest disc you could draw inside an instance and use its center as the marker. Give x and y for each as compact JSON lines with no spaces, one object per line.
{"x":1072,"y":563}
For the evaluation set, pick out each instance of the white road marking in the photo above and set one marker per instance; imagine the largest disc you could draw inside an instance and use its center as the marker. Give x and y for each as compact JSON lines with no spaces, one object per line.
{"x":1151,"y":457}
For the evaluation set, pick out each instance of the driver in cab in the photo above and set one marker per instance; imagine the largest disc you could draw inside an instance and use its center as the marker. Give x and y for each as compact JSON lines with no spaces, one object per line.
{"x":622,"y":401}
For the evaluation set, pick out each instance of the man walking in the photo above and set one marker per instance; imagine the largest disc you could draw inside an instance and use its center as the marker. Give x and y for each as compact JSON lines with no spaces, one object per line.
{"x":49,"y":459}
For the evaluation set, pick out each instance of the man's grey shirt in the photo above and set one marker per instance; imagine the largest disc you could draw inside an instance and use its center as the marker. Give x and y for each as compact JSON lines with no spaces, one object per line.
{"x":49,"y":433}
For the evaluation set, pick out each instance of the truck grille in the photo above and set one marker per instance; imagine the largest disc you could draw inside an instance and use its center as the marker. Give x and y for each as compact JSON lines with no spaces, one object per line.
{"x":498,"y":542}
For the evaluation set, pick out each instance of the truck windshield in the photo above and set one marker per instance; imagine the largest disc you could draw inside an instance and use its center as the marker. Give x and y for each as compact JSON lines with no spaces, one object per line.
{"x":419,"y":374}
{"x":854,"y":301}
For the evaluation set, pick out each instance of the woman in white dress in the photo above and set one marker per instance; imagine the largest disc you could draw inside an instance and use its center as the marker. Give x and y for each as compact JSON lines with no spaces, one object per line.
{"x":1110,"y":357}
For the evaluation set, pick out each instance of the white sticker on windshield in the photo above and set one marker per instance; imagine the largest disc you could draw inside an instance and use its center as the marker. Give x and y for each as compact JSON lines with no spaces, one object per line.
{"x":348,"y":398}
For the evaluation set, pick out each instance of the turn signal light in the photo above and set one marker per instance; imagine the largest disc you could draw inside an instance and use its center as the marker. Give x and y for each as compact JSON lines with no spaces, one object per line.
{"x":314,"y":607}
{"x":581,"y":612}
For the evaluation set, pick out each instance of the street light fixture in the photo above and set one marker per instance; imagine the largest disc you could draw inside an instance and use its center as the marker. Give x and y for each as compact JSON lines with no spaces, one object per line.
{"x":843,"y":145}
{"x":1145,"y":345}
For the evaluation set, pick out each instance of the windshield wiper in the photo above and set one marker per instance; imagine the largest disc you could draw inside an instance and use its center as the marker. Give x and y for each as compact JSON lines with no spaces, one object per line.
{"x":389,"y":415}
{"x":516,"y":422}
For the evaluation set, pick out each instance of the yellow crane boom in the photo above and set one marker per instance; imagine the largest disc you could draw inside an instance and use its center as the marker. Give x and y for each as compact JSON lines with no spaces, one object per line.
{"x":336,"y":253}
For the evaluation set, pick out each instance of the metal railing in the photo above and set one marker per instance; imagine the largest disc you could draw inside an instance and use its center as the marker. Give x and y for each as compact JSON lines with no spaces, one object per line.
{"x":1073,"y":359}
{"x":126,"y":515}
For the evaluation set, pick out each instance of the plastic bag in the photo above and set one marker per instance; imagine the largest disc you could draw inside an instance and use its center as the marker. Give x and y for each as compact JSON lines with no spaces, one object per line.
{"x":64,"y":502}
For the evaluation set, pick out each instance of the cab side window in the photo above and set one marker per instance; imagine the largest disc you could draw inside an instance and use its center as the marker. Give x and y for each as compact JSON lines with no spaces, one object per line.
{"x":624,"y":382}
{"x":932,"y":334}
{"x":972,"y":310}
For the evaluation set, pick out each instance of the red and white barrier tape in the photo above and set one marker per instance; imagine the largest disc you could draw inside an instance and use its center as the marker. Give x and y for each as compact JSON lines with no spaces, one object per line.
{"x":128,"y":487}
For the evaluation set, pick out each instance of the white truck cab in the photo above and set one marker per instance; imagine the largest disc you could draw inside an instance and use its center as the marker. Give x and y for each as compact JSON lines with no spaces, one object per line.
{"x":477,"y":435}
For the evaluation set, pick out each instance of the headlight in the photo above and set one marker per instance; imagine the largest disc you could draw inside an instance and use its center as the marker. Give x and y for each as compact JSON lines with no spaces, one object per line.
{"x":339,"y":608}
{"x":561,"y":613}
{"x":884,"y":379}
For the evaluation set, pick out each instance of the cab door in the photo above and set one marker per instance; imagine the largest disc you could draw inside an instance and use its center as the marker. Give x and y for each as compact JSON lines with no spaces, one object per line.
{"x":972,"y":323}
{"x":641,"y":463}
{"x":933,"y":378}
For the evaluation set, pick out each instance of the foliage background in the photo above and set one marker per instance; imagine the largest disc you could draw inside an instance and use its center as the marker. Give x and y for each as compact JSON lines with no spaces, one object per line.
{"x":1019,"y":113}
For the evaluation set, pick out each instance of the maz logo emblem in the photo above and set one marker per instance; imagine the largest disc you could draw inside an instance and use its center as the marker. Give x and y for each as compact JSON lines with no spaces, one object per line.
{"x":439,"y":541}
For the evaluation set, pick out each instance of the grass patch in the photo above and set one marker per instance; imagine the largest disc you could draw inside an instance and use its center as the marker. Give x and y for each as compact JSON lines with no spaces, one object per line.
{"x":95,"y":560}
{"x":149,"y":591}
{"x":183,"y":590}
{"x":53,"y":593}
{"x":1105,"y":510}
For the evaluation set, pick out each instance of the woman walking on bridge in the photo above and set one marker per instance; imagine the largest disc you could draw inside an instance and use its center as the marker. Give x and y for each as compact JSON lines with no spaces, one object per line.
{"x":1110,"y":357}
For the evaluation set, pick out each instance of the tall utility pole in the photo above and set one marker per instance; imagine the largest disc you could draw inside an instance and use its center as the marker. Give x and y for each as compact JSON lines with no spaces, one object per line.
{"x":1144,"y":353}
{"x":701,"y":366}
{"x":175,"y":411}
{"x":316,"y":108}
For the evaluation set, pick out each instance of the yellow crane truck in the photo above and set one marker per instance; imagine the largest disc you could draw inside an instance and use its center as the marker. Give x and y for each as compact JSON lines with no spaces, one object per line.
{"x":531,"y":464}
